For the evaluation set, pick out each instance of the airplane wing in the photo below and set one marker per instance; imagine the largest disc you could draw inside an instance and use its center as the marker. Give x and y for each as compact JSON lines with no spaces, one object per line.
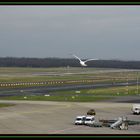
{"x":90,"y":60}
{"x":77,"y":57}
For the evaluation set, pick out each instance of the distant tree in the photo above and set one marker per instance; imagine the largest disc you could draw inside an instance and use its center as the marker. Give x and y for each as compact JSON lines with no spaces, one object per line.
{"x":64,"y":62}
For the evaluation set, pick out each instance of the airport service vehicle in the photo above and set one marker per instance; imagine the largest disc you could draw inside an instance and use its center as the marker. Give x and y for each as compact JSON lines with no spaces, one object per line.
{"x":80,"y":120}
{"x":136,"y":109}
{"x":89,"y":120}
{"x":91,"y":112}
{"x":121,"y":123}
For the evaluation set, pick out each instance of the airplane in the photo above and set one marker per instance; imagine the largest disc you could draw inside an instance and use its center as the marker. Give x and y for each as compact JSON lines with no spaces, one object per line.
{"x":83,"y":62}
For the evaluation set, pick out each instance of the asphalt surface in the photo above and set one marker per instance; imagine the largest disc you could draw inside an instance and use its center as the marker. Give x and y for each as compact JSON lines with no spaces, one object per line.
{"x":46,"y":117}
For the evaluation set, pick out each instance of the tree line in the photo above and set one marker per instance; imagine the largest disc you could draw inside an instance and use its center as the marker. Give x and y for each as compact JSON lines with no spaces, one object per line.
{"x":64,"y":62}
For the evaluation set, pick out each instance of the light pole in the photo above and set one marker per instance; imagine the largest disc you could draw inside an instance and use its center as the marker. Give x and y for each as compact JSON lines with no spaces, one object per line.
{"x":127,"y":85}
{"x":126,"y":88}
{"x":137,"y":84}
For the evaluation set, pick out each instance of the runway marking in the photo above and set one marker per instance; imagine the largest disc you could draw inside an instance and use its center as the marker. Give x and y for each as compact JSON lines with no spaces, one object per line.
{"x":63,"y":130}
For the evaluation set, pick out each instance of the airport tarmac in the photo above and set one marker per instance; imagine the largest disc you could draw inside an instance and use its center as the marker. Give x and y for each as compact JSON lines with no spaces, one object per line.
{"x":47,"y":117}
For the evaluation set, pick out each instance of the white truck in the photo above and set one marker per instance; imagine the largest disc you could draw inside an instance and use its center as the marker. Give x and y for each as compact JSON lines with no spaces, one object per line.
{"x":80,"y":120}
{"x":89,"y":120}
{"x":136,"y":109}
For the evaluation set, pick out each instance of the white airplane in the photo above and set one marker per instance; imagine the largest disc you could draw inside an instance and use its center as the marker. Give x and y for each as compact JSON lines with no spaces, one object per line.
{"x":83,"y":62}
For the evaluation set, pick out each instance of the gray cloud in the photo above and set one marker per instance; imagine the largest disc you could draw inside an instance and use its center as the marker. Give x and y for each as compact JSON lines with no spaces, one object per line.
{"x":56,"y":31}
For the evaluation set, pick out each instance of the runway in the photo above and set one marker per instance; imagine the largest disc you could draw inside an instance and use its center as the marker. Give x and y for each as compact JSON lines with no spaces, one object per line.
{"x":41,"y":90}
{"x":41,"y":117}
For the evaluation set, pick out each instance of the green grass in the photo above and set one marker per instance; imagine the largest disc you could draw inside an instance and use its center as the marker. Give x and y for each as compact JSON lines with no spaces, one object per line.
{"x":16,"y":74}
{"x":115,"y":91}
{"x":58,"y":98}
{"x":110,"y":91}
{"x":85,"y":95}
{"x":5,"y":105}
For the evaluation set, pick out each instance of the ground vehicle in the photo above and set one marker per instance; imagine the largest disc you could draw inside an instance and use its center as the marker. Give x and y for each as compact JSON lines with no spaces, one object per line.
{"x":136,"y":109}
{"x":80,"y":120}
{"x":91,"y":112}
{"x":89,"y":120}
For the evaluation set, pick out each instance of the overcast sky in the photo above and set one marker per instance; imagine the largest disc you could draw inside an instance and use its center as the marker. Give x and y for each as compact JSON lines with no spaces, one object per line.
{"x":105,"y":32}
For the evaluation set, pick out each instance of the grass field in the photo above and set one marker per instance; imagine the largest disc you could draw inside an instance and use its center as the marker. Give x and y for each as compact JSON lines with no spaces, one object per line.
{"x":11,"y":75}
{"x":58,"y":98}
{"x":85,"y":95}
{"x":80,"y":75}
{"x":117,"y":91}
{"x":110,"y":91}
{"x":5,"y":105}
